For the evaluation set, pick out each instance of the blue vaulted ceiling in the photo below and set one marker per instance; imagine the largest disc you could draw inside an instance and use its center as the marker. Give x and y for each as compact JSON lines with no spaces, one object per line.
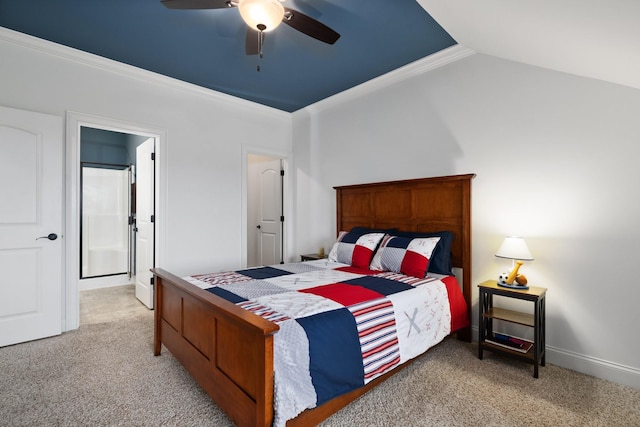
{"x":206,"y":47}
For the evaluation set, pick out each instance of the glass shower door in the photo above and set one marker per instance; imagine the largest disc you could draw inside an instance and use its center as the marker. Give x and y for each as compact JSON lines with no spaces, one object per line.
{"x":105,"y":211}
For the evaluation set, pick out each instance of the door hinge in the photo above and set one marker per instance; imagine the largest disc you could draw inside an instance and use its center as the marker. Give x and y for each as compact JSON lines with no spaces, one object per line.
{"x":281,"y":172}
{"x":282,"y":218}
{"x":153,"y":218}
{"x":153,"y":156}
{"x":153,"y":279}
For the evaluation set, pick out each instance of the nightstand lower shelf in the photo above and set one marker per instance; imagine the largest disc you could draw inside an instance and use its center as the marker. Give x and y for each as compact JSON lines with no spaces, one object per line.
{"x":527,"y":356}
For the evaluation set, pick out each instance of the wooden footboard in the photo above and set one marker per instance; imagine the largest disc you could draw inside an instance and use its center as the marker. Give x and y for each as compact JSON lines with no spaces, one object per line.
{"x":228,"y":350}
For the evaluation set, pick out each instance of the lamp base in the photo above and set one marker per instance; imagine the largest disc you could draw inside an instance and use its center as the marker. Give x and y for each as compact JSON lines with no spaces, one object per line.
{"x":514,"y":286}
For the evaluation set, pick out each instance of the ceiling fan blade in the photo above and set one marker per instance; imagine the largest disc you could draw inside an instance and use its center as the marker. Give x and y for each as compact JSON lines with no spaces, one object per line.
{"x":195,"y":4}
{"x":251,"y":45}
{"x":309,"y":26}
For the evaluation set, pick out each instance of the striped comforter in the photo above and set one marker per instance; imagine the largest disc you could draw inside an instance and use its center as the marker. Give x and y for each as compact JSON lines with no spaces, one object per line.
{"x":340,"y":327}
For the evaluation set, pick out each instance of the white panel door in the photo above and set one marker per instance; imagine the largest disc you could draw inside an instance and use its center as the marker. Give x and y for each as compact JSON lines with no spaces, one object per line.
{"x":31,"y":195}
{"x":145,"y":188}
{"x":270,"y":211}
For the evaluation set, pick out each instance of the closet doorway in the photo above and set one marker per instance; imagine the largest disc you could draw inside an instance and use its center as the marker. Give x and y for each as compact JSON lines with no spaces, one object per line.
{"x":265,"y":210}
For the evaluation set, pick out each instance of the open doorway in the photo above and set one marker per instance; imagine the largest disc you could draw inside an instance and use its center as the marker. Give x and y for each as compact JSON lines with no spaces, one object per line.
{"x":110,"y":247}
{"x":265,"y":210}
{"x":112,"y":166}
{"x":95,"y":141}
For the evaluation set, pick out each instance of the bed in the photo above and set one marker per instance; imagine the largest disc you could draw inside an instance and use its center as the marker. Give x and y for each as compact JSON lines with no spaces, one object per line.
{"x":229,"y":350}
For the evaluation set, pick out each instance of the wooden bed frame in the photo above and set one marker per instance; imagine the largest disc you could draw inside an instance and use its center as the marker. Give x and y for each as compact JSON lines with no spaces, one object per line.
{"x":229,"y":351}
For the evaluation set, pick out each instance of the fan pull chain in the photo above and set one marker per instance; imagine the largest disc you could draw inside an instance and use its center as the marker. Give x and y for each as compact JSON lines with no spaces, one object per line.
{"x":261,"y":28}
{"x":260,"y":38}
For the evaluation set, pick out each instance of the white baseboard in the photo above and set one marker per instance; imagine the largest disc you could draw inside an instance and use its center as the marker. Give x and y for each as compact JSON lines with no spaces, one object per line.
{"x":599,"y":368}
{"x":611,"y":371}
{"x":104,"y":282}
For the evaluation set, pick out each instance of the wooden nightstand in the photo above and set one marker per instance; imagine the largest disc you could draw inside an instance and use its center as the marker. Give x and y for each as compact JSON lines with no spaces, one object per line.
{"x":487,"y":338}
{"x":312,"y":257}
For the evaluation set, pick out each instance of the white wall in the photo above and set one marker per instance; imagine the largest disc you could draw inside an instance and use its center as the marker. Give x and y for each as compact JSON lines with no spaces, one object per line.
{"x":556,"y":162}
{"x":206,"y":133}
{"x":555,"y":158}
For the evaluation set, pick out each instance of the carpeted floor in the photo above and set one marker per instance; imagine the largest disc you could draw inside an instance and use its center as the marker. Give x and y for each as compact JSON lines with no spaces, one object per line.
{"x":109,"y":304}
{"x":105,"y":374}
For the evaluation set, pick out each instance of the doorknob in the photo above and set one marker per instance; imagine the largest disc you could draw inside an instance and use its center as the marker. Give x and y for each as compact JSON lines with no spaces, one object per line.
{"x":51,"y":236}
{"x":258,"y":227}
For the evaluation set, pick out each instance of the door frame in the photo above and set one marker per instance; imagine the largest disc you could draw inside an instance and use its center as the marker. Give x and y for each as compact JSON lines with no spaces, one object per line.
{"x":286,"y":192}
{"x":74,"y":122}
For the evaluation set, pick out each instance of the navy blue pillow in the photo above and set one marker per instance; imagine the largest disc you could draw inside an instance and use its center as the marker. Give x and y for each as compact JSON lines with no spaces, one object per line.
{"x":440,"y":261}
{"x":364,"y":230}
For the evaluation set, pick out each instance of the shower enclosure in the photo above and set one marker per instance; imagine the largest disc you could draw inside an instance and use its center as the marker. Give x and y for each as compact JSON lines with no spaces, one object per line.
{"x":106,"y":218}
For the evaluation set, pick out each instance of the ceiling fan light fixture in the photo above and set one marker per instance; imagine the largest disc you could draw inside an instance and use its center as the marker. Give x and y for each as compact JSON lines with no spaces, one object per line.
{"x":261,"y":15}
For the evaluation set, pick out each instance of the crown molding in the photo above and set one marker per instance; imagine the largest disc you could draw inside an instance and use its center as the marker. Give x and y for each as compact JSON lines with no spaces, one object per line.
{"x":421,"y":66}
{"x":126,"y":70}
{"x":416,"y":68}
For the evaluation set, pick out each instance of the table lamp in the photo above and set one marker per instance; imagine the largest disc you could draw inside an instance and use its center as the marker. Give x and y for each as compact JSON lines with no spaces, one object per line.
{"x":515,"y":249}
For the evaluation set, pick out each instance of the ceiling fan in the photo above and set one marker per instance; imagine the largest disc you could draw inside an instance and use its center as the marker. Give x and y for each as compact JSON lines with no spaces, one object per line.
{"x":262,"y":16}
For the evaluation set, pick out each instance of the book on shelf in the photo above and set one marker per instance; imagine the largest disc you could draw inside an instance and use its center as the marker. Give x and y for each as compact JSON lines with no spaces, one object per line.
{"x":507,"y":341}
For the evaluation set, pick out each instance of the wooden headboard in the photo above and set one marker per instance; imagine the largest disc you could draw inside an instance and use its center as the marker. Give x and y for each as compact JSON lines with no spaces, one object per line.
{"x":423,"y":205}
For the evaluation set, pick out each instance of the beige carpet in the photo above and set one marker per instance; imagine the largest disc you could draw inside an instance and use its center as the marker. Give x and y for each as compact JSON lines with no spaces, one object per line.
{"x":105,"y":374}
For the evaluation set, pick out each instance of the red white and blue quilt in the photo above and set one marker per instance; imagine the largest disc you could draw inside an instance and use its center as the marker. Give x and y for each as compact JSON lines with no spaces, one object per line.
{"x":340,"y":326}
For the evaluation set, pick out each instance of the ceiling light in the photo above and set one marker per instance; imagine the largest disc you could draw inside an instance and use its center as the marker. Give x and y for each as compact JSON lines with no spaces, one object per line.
{"x":261,"y":15}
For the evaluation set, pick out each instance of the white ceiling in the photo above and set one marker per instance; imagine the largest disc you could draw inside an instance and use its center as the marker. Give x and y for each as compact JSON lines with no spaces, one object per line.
{"x":592,"y":38}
